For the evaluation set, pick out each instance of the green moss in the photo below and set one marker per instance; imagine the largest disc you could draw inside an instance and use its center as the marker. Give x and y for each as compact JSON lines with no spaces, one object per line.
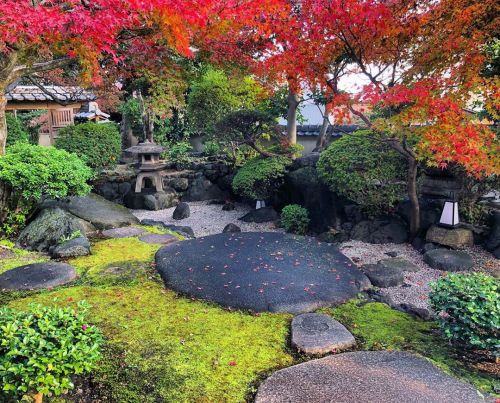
{"x":376,"y":326}
{"x":165,"y":348}
{"x":14,"y":257}
{"x":156,"y":229}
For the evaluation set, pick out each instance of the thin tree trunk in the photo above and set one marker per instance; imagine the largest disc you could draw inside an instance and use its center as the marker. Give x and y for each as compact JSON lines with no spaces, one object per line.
{"x":413,"y":196}
{"x":3,"y":123}
{"x":291,"y":125}
{"x":5,"y":193}
{"x":322,"y":141}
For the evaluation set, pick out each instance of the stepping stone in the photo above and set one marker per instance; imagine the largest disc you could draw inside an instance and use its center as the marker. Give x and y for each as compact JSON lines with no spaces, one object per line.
{"x":449,"y":260}
{"x":261,"y":271}
{"x":74,"y":247}
{"x":382,"y":276}
{"x":163,"y":239}
{"x":397,"y":263}
{"x":371,"y":376}
{"x":123,"y":232}
{"x":37,"y":276}
{"x":314,"y":333}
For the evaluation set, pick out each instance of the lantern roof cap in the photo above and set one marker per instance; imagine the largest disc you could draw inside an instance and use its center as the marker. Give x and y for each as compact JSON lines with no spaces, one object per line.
{"x":146,"y":147}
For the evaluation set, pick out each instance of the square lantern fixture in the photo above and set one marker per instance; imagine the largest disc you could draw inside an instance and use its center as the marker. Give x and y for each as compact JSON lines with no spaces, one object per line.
{"x":449,"y":216}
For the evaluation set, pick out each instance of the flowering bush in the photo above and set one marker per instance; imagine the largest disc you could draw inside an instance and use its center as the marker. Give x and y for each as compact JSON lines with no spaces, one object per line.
{"x":42,"y":348}
{"x":468,"y":307}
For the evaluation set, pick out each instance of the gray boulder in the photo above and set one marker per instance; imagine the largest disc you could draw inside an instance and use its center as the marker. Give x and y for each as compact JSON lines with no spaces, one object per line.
{"x":181,"y":212}
{"x":185,"y":231}
{"x":261,"y":215}
{"x":161,"y":200}
{"x":493,"y":242}
{"x":231,"y":228}
{"x":202,"y":189}
{"x":398,"y":264}
{"x":48,"y":229}
{"x":179,"y":184}
{"x":74,"y":247}
{"x":314,"y":333}
{"x":383,"y":277}
{"x":449,"y":260}
{"x":100,"y":212}
{"x":390,"y":230}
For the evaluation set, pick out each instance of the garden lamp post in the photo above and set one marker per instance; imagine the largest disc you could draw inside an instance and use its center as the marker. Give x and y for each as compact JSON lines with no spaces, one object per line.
{"x":449,"y":215}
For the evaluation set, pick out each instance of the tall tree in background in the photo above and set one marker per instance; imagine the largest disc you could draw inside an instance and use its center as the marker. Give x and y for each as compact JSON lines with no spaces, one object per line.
{"x":420,"y":64}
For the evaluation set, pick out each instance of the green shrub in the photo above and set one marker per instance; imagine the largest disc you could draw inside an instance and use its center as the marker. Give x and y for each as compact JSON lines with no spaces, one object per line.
{"x":295,"y":219}
{"x":468,"y":307}
{"x":366,"y":172}
{"x":211,"y":147}
{"x":99,"y":145}
{"x":41,"y":349}
{"x":36,"y":172}
{"x":259,"y":177}
{"x":16,"y":132}
{"x":178,"y":153}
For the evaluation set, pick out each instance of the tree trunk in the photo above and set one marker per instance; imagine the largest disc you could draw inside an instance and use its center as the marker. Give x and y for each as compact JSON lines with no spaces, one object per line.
{"x":5,"y":193}
{"x":38,"y":398}
{"x":3,"y":123}
{"x":291,"y":125}
{"x":322,"y":141}
{"x":413,"y":196}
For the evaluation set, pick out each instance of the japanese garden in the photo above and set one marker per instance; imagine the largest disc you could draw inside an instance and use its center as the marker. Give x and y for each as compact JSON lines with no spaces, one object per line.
{"x":249,"y":201}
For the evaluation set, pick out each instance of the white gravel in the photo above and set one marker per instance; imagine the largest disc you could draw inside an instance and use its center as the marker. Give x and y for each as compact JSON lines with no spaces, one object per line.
{"x":415,"y":289}
{"x":208,"y":219}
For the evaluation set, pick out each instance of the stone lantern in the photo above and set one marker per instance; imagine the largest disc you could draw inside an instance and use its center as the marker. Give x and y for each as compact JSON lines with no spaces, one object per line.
{"x":149,"y":165}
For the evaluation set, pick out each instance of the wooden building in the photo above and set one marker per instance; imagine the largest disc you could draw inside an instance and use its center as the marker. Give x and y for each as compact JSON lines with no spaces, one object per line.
{"x":61,"y":104}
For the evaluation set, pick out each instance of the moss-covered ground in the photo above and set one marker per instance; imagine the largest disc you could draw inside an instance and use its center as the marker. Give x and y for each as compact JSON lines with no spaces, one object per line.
{"x":161,"y":347}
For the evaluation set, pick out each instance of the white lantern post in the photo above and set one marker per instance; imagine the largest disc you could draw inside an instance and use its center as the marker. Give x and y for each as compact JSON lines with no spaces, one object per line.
{"x":449,"y":216}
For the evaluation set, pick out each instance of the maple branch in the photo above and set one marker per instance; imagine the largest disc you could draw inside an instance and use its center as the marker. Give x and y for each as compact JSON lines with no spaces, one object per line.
{"x":25,"y":69}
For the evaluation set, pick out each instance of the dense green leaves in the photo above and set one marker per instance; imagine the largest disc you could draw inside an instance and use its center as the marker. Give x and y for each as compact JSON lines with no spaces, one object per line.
{"x":365,"y":171}
{"x":468,"y":307}
{"x":42,"y":348}
{"x":36,"y":172}
{"x":259,"y":177}
{"x":295,"y":218}
{"x":99,"y":145}
{"x":17,"y":131}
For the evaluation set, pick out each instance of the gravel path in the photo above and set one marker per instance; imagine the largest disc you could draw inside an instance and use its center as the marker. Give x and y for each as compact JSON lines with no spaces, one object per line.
{"x":415,"y":289}
{"x":208,"y":219}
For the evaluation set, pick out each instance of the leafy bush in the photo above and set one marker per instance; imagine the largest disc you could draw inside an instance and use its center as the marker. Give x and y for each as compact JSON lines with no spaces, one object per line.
{"x":295,"y":218}
{"x":41,"y":349}
{"x":259,"y":177}
{"x":16,"y":132}
{"x":35,"y":172}
{"x":366,"y":172}
{"x":178,"y":153}
{"x":213,"y":95}
{"x":99,"y":145}
{"x":468,"y":307}
{"x":211,"y":147}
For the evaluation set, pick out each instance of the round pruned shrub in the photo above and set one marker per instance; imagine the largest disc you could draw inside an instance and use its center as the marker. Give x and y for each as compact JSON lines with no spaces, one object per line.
{"x":98,"y":144}
{"x":365,"y":171}
{"x":36,"y":172}
{"x":42,"y":348}
{"x":295,"y":219}
{"x":260,"y":177}
{"x":468,"y":308}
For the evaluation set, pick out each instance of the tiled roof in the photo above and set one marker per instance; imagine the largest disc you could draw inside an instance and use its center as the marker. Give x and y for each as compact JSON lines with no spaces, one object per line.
{"x":334,"y":131}
{"x":57,"y":93}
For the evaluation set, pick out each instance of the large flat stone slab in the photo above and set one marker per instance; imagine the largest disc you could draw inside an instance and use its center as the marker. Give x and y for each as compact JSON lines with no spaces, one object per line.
{"x":123,"y":232}
{"x":397,"y":263}
{"x":372,"y":376}
{"x":37,"y":276}
{"x":382,"y":276}
{"x":314,"y":333}
{"x":162,"y":239}
{"x":449,"y":260}
{"x":261,"y":271}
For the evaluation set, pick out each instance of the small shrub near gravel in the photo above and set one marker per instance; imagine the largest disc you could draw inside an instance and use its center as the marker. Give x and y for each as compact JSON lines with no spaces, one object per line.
{"x":42,"y":348}
{"x":295,"y":219}
{"x":468,"y":307}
